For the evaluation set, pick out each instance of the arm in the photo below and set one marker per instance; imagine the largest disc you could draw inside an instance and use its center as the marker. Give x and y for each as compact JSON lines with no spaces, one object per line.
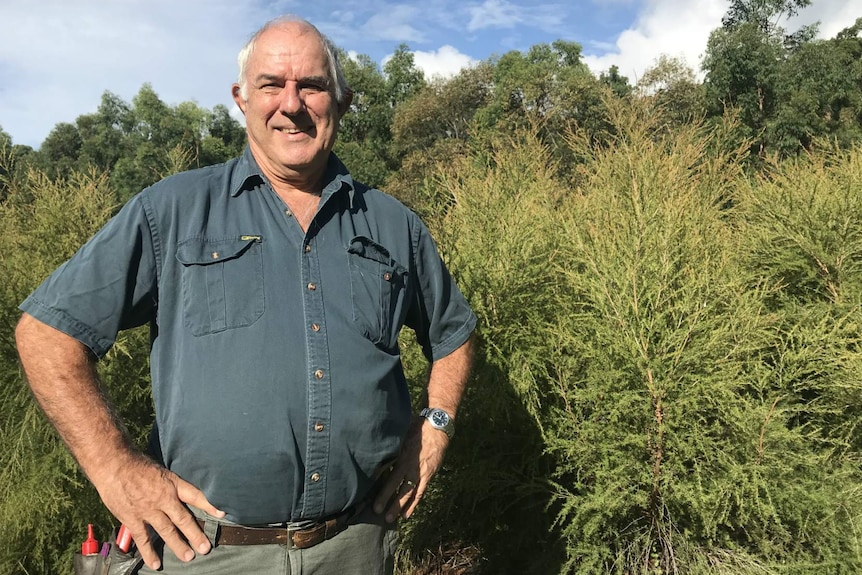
{"x":62,"y":374}
{"x":424,"y":447}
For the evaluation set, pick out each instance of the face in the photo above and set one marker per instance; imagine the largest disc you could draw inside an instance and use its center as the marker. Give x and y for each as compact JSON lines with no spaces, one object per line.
{"x":290,"y":112}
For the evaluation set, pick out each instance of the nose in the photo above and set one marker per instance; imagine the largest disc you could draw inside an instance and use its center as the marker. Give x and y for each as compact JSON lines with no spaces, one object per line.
{"x":291,"y":99}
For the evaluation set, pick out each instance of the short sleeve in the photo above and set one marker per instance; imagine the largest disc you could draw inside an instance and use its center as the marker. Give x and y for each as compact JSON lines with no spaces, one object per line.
{"x":107,"y":286}
{"x":440,"y":316}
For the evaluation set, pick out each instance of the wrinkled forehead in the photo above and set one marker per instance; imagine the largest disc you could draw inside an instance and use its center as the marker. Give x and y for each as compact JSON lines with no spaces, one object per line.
{"x":291,"y":47}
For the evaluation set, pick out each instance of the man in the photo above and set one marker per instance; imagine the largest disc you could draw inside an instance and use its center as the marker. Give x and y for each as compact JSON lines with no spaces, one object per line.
{"x":275,"y":287}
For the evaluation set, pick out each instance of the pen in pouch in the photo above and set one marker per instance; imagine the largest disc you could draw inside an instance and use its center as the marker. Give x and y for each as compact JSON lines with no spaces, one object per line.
{"x":124,"y":539}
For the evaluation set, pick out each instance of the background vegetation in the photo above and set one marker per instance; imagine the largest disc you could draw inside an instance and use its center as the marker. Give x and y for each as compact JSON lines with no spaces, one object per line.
{"x":668,"y":279}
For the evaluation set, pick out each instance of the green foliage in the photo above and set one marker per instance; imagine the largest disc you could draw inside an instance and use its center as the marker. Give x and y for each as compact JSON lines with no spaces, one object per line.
{"x":672,"y":86}
{"x":763,"y":13}
{"x":496,"y":237}
{"x":742,"y":70}
{"x":664,"y":412}
{"x":788,"y":88}
{"x":618,"y":83}
{"x":441,"y":110}
{"x":801,"y":223}
{"x":45,"y":501}
{"x":688,"y":412}
{"x":403,"y":78}
{"x":364,"y":135}
{"x":128,"y":141}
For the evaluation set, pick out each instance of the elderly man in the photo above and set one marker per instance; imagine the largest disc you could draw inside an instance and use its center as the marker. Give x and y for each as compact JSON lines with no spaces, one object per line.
{"x":275,"y":287}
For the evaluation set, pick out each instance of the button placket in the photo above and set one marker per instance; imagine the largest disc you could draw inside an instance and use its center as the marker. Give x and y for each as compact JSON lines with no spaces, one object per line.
{"x":319,"y":392}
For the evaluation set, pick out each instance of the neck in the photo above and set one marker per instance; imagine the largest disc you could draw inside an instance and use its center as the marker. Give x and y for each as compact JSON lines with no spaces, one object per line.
{"x":292,"y":181}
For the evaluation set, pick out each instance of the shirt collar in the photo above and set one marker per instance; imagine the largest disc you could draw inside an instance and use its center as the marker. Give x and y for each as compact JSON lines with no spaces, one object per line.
{"x":247,"y":176}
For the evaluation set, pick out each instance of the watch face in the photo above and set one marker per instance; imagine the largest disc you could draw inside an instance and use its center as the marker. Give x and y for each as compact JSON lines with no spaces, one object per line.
{"x":439,"y":418}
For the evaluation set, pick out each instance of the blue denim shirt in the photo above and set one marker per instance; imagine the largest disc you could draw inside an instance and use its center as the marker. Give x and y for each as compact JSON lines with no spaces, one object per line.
{"x":277,"y":379}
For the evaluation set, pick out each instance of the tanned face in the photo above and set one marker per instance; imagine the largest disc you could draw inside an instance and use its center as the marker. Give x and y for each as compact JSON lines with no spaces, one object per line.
{"x":290,"y":111}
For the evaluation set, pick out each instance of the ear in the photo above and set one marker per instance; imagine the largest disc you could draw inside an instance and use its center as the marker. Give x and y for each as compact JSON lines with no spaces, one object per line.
{"x":345,"y":105}
{"x":237,"y":97}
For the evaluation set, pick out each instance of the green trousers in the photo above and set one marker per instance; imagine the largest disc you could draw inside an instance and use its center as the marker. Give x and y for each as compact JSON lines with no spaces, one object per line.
{"x":366,"y":547}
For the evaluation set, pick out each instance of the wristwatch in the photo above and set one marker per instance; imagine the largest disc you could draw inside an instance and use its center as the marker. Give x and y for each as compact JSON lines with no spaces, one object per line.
{"x":439,"y":420}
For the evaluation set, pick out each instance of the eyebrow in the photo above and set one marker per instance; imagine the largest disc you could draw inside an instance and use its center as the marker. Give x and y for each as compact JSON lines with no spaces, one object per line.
{"x":304,"y":80}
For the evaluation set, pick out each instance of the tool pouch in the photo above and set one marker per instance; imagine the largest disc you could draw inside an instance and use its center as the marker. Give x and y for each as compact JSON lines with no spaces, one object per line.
{"x":116,"y":563}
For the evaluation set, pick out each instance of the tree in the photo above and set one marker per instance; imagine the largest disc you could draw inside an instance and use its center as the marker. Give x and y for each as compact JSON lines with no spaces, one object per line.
{"x":140,"y":143}
{"x":442,"y":109}
{"x":763,"y":13}
{"x":618,"y":83}
{"x":788,"y":88}
{"x":550,"y":87}
{"x":673,"y":87}
{"x":403,"y":78}
{"x":364,"y":135}
{"x":14,"y":161}
{"x":820,"y":93}
{"x":741,"y":66}
{"x":61,"y":150}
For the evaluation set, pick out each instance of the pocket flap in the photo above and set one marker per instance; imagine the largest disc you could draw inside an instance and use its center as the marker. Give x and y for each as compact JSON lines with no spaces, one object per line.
{"x":200,"y":251}
{"x":371,"y":250}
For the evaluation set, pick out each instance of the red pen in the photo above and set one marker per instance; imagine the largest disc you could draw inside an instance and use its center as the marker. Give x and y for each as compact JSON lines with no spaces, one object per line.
{"x":124,"y":539}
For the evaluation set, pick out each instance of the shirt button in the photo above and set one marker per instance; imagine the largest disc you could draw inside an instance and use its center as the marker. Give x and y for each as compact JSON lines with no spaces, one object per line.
{"x":318,"y":374}
{"x":387,"y":276}
{"x":315,"y":477}
{"x":215,"y":255}
{"x":315,"y":327}
{"x":312,"y":287}
{"x":318,"y":427}
{"x":307,"y":248}
{"x":288,"y":213}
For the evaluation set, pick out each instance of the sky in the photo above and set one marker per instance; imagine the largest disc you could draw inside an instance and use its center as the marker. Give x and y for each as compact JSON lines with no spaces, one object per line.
{"x":57,"y":57}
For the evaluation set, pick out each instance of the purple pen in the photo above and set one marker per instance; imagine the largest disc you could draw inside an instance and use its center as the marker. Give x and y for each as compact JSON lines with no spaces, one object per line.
{"x":106,"y":549}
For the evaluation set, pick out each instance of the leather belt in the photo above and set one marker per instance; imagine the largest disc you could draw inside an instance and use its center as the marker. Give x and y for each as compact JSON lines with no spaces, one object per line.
{"x":292,"y":537}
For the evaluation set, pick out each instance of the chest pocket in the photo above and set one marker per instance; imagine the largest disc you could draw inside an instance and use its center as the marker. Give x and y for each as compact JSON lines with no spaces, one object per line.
{"x":377,"y":288}
{"x":222,"y":283}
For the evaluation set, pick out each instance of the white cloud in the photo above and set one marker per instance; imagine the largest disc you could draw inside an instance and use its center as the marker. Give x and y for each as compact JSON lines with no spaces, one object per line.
{"x":393,"y":23}
{"x":495,"y":14}
{"x":677,"y":28}
{"x":834,"y":16}
{"x":681,"y":28}
{"x":55,"y":62}
{"x":446,"y":62}
{"x":507,"y":15}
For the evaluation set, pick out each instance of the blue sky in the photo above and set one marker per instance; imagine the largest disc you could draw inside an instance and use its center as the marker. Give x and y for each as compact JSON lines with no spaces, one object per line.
{"x":57,"y":57}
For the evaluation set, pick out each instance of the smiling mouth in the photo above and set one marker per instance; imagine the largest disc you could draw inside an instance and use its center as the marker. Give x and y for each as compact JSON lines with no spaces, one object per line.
{"x":290,"y":130}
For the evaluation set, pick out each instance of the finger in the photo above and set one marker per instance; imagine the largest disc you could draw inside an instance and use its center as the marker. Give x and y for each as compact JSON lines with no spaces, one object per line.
{"x":172,"y":537}
{"x":144,"y":543}
{"x":400,"y":501}
{"x":417,"y":496}
{"x":187,"y":523}
{"x":389,"y":489}
{"x":191,"y":531}
{"x":190,"y":494}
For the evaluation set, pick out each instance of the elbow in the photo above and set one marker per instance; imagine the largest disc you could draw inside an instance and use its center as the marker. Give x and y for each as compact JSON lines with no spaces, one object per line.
{"x":24,"y":332}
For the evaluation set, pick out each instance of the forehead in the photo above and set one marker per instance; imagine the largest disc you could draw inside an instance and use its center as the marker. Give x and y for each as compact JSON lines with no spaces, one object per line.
{"x":290,"y":49}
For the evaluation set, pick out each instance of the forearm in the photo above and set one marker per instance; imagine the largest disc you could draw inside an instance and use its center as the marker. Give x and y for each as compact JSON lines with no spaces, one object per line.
{"x":62,"y":375}
{"x":448,"y":378}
